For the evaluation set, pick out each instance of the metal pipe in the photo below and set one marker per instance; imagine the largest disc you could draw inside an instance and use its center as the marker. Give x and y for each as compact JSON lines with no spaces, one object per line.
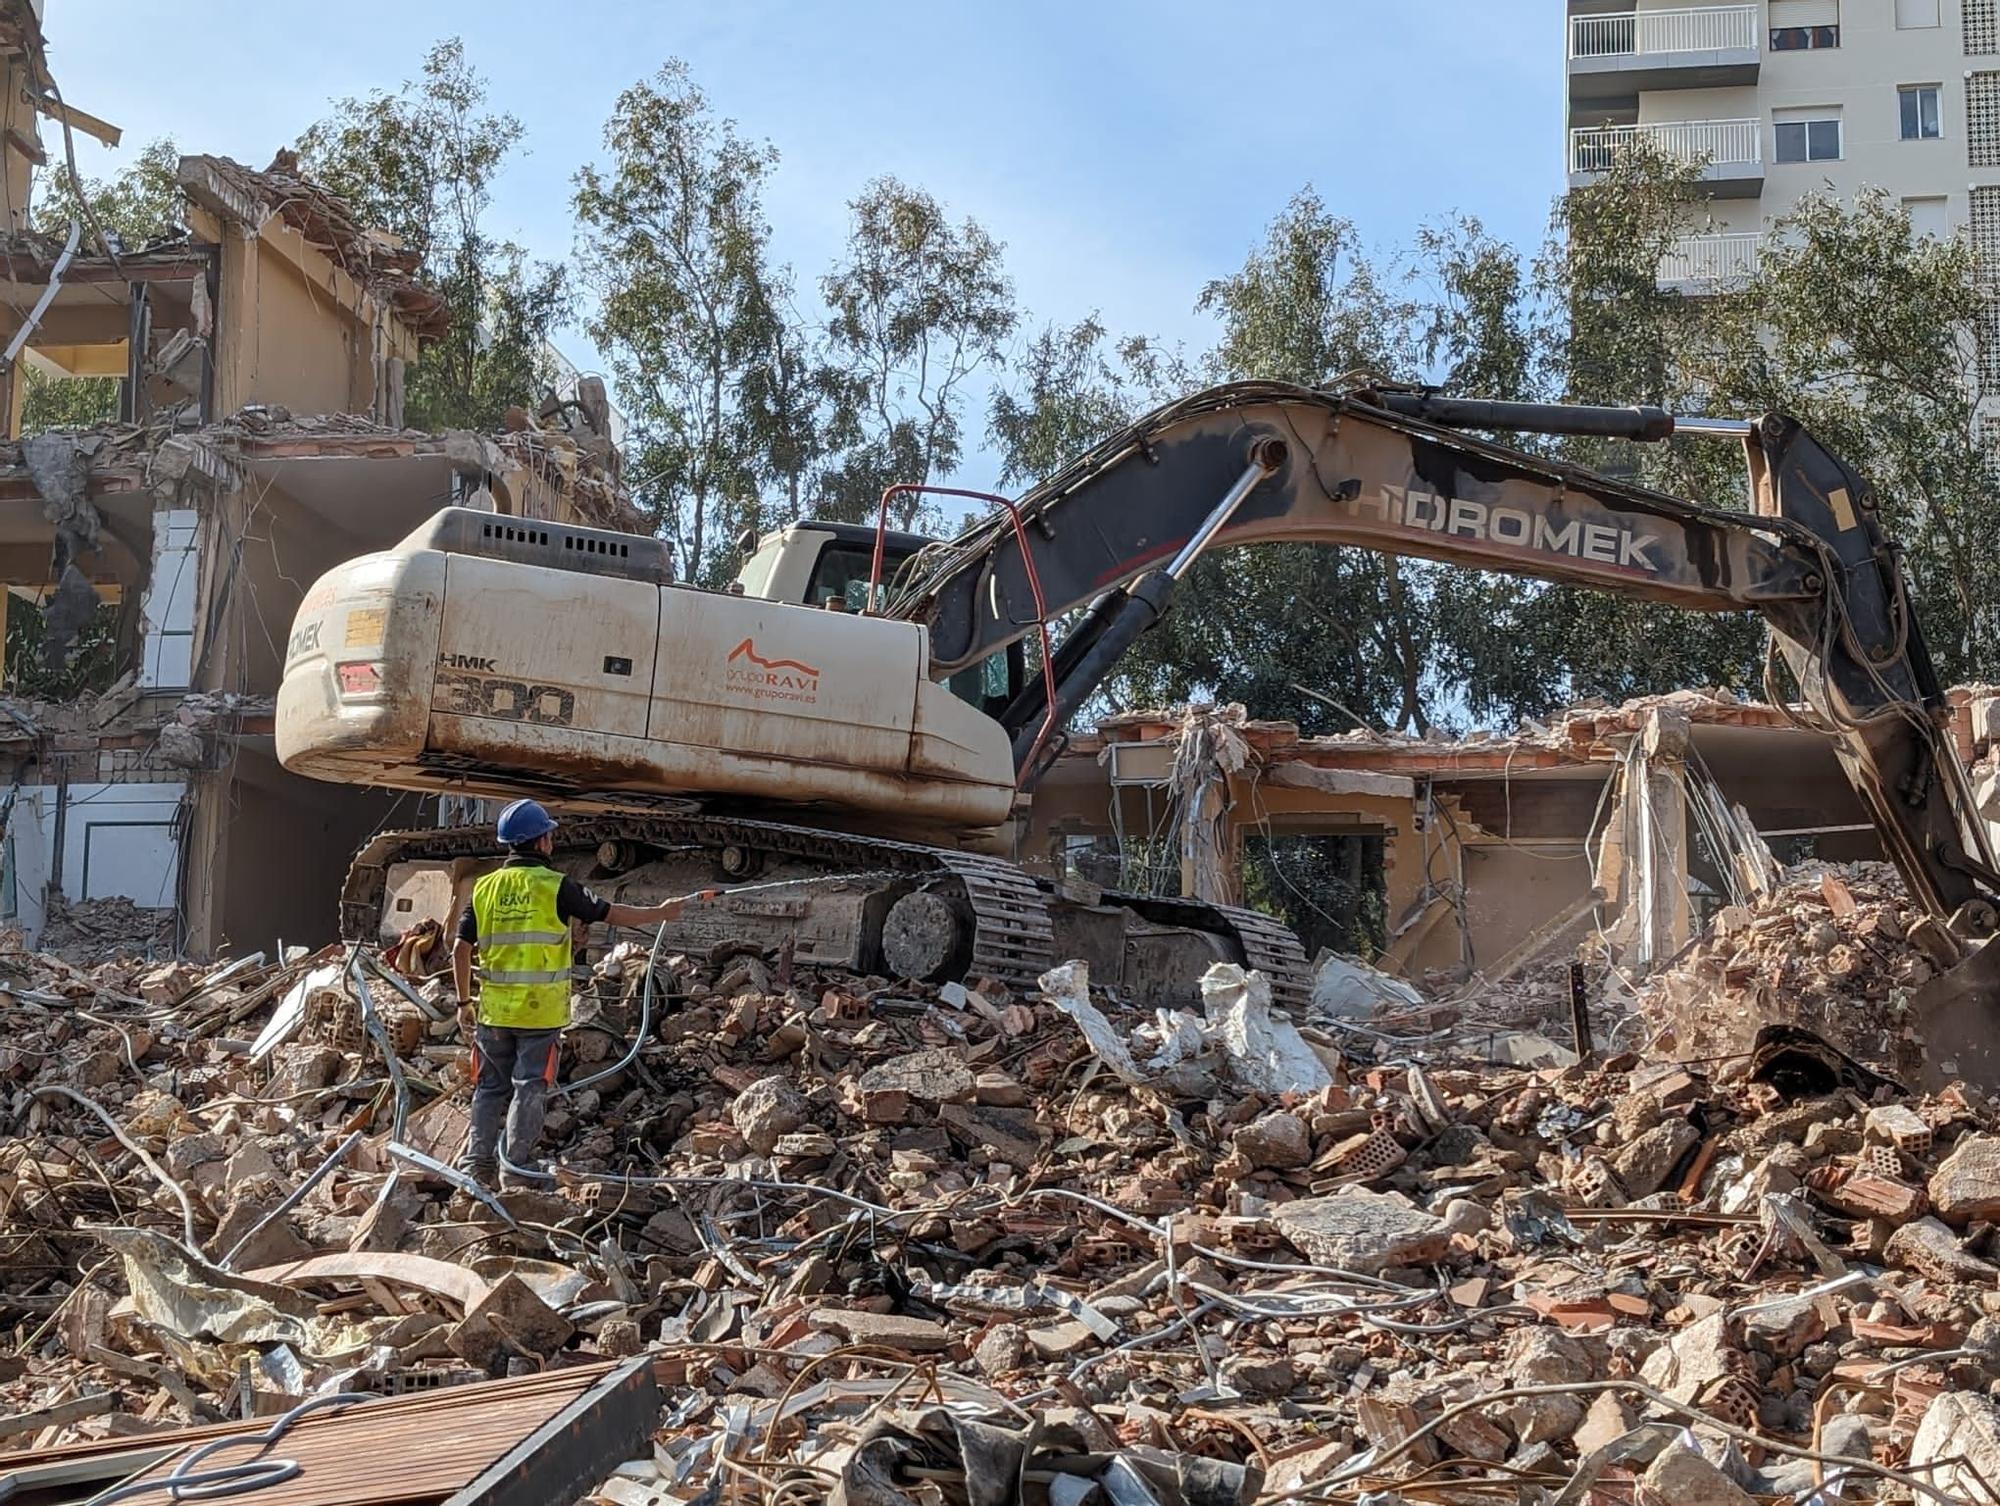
{"x":465,"y":1184}
{"x":1646,"y":423}
{"x":638,"y":1036}
{"x":371,"y":1022}
{"x":1694,"y":424}
{"x":48,"y":296}
{"x":1265,"y":457}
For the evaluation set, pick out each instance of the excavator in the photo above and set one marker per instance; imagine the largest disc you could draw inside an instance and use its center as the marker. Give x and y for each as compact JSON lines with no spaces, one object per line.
{"x":843,"y":739}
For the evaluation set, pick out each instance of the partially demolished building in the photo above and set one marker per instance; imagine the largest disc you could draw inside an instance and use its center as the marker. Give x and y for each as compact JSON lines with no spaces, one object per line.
{"x":1634,"y":822}
{"x":260,"y":440}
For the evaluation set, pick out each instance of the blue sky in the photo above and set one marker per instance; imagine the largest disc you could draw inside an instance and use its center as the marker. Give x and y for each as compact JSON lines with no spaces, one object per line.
{"x":1125,"y":152}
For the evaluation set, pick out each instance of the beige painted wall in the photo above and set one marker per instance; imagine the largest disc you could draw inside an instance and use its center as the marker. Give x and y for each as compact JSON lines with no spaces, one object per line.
{"x":1513,"y":891}
{"x":291,"y":327}
{"x":303,"y":353}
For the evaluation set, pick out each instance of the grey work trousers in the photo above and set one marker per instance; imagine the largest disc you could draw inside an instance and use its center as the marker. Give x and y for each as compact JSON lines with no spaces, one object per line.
{"x":516,"y":1070}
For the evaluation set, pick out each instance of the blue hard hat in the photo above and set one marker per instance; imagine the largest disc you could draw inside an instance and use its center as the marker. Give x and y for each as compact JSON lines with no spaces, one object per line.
{"x":523,"y":821}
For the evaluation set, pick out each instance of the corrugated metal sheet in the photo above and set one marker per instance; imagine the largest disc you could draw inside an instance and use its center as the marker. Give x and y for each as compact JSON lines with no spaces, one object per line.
{"x":408,"y":1450}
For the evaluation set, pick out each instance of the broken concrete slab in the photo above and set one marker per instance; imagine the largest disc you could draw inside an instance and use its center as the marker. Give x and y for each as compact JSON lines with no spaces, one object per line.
{"x":1784,"y":1330}
{"x":1957,"y":1447}
{"x":1277,"y":1141}
{"x":1608,"y":1418}
{"x":1062,"y":1341}
{"x":1930,"y":1248}
{"x":510,"y":1319}
{"x":881,"y":1330}
{"x":1966,"y":1185}
{"x":1358,"y":1230}
{"x":767,"y":1110}
{"x":935,"y":1076}
{"x":1685,"y":1478}
{"x":1644,"y":1165}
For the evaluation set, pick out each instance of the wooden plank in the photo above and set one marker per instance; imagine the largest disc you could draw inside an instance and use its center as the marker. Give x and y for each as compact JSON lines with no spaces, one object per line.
{"x":62,"y":1414}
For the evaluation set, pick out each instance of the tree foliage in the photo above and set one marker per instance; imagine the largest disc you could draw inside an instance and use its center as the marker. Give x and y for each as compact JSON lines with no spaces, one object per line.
{"x":139,"y":205}
{"x":716,"y":384}
{"x":420,"y":163}
{"x":1333,"y":637}
{"x":746,"y":411}
{"x":916,"y":306}
{"x":1073,"y":387}
{"x":1865,"y":333}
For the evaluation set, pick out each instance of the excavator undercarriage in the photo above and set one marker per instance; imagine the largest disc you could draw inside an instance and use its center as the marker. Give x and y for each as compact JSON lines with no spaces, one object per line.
{"x":891,"y":909}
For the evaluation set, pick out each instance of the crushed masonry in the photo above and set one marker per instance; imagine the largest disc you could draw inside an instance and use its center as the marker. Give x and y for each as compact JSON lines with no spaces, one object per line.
{"x":808,"y":1206}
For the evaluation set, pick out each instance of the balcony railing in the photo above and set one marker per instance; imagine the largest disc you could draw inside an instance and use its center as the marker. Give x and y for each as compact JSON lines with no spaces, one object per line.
{"x":1701,"y":28}
{"x":1719,"y":143}
{"x":1710,"y":261}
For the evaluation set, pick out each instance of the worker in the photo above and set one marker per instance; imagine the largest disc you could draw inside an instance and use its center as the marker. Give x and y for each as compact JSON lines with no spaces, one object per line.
{"x":519,"y":922}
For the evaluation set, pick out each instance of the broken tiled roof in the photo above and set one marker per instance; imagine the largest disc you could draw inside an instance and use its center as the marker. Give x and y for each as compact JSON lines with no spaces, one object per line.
{"x":250,"y":198}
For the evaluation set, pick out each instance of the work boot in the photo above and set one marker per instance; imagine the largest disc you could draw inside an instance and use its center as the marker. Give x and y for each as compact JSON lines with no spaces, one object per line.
{"x":485,"y":1173}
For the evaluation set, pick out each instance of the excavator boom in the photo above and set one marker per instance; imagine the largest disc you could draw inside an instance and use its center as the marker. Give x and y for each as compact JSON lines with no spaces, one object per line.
{"x":1392,"y":471}
{"x":1334,"y":469}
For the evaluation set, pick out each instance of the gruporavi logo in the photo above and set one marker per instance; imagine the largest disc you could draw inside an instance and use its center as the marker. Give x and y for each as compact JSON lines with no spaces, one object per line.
{"x":749,"y":672}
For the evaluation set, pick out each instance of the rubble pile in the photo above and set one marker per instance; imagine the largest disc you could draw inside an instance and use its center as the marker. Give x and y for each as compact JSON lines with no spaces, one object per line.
{"x":1837,"y":950}
{"x":885,"y":1239}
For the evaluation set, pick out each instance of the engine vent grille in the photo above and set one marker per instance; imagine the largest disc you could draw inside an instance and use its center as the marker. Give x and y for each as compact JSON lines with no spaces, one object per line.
{"x":528,"y":541}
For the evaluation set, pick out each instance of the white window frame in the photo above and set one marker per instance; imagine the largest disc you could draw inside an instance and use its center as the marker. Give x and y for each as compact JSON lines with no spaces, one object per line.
{"x":1918,"y":91}
{"x":1806,"y":121}
{"x":1936,"y":17}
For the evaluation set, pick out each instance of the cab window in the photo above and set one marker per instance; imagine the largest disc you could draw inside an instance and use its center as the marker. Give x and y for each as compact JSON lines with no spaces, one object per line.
{"x":843,"y":570}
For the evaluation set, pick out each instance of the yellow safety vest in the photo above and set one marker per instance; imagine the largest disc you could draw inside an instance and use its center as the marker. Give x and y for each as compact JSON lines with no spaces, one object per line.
{"x":524,"y":949}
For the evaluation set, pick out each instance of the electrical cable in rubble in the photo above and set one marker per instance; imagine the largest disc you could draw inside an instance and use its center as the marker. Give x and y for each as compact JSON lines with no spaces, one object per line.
{"x":186,"y":1482}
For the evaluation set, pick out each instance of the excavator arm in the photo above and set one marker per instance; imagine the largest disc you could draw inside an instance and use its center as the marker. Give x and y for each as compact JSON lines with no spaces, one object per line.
{"x":1115,"y":532}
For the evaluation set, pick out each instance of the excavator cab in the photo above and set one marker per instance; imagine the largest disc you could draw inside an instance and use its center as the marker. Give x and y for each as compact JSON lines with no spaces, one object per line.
{"x":812,"y":564}
{"x":817,"y":564}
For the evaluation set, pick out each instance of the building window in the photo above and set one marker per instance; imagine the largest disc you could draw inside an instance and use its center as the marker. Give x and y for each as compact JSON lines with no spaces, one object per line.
{"x":1982,"y":119}
{"x":1919,"y":106}
{"x":1804,"y":25}
{"x":1916,"y":15}
{"x":1809,"y":140}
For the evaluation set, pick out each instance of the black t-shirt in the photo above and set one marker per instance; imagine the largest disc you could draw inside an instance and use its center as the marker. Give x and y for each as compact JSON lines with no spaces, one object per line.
{"x":573,"y":903}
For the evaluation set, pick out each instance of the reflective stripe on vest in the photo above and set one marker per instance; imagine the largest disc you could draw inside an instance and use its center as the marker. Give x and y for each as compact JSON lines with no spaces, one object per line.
{"x":524,"y":949}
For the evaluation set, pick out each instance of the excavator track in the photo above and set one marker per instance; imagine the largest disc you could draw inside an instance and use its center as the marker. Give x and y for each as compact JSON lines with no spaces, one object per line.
{"x":1011,"y":938}
{"x":1267,"y":945}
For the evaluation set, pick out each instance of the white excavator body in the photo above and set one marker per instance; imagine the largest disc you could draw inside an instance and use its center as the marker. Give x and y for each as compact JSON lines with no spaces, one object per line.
{"x":490,"y":655}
